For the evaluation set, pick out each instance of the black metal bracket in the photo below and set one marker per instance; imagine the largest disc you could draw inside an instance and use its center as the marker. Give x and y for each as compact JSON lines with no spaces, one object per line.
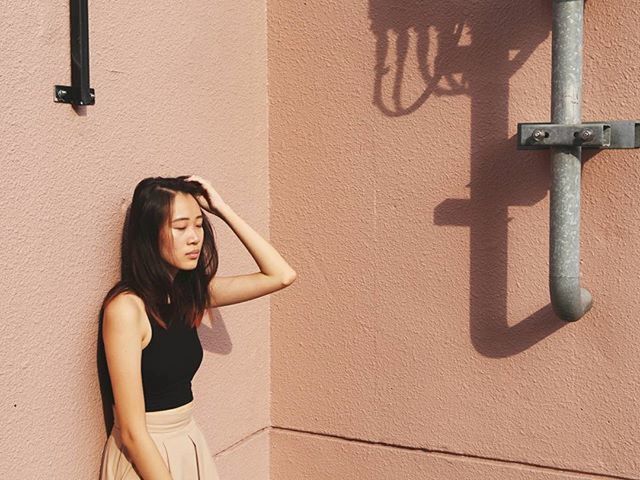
{"x":79,"y":93}
{"x":606,"y":135}
{"x":73,"y":95}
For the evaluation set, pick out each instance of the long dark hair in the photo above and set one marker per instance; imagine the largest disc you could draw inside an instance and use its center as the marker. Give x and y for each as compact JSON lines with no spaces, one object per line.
{"x":146,"y":274}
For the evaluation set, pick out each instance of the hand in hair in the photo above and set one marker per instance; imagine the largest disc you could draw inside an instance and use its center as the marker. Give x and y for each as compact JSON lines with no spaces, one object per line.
{"x":214,"y":197}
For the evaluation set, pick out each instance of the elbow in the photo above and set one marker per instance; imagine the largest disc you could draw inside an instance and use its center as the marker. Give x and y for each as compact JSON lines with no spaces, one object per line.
{"x":131,"y":438}
{"x":289,"y":278}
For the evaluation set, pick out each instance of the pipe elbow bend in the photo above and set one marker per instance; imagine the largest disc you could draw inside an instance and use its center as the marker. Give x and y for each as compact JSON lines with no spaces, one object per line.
{"x":570,"y":302}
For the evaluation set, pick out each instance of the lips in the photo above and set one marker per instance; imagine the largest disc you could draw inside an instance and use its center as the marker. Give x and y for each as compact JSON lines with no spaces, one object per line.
{"x":193,"y":252}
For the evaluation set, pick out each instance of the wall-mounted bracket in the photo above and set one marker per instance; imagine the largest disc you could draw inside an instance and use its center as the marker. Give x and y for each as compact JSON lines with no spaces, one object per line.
{"x":73,"y":95}
{"x":610,"y":135}
{"x":79,"y":93}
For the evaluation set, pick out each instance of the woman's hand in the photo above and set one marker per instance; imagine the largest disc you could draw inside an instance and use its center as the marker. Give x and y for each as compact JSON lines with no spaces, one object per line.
{"x":216,"y":200}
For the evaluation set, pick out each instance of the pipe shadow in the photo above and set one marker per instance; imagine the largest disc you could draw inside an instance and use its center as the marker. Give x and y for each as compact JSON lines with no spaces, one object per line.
{"x":476,"y":48}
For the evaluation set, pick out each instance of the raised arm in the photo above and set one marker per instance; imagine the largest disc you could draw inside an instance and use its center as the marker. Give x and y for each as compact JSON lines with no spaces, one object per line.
{"x":122,"y":333}
{"x":275,"y":273}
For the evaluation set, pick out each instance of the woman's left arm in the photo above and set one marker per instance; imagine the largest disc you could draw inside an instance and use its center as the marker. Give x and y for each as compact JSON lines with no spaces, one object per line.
{"x":275,"y":273}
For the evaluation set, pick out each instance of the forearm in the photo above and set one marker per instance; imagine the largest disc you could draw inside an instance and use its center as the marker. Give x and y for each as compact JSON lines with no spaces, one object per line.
{"x":145,"y":457}
{"x":266,"y":256}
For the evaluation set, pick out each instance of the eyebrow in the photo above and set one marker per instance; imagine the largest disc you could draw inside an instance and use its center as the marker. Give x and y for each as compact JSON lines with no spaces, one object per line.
{"x":184,"y":218}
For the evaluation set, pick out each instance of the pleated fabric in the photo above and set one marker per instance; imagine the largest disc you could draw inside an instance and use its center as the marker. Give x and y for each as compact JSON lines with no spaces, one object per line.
{"x":180,"y":443}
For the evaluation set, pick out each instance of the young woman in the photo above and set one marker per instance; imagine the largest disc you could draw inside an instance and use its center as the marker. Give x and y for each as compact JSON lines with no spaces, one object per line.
{"x":149,"y":321}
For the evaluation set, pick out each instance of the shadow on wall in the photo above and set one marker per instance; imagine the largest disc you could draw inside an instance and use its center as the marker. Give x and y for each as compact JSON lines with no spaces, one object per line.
{"x":473,"y":48}
{"x":214,"y":338}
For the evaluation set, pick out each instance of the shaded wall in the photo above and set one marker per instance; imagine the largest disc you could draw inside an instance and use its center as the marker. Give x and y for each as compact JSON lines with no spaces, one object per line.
{"x":419,"y":342}
{"x":179,"y":90}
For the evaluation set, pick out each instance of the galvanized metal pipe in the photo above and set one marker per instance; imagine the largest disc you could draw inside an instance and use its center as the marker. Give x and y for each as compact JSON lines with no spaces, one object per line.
{"x":569,"y":300}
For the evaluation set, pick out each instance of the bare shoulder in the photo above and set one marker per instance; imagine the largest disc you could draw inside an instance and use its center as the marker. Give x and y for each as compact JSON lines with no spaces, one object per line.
{"x":124,"y":311}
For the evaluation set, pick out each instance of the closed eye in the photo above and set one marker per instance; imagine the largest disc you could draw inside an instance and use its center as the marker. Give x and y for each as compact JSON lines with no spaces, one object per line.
{"x":184,"y":228}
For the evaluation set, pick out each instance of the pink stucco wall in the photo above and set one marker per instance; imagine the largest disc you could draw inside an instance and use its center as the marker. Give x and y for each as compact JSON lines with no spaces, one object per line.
{"x":419,"y":342}
{"x":180,"y":89}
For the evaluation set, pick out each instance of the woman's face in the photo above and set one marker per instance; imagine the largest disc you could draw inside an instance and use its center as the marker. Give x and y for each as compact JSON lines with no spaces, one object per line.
{"x":183,"y":235}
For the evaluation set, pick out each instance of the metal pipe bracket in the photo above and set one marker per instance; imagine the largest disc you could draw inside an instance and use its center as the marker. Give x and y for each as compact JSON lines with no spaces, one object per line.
{"x":79,"y":92}
{"x":73,"y":95}
{"x":610,"y":135}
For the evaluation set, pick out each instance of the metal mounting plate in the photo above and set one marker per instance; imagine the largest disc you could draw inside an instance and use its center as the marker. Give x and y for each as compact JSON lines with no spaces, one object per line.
{"x":624,"y":133}
{"x":545,"y":135}
{"x":610,"y":135}
{"x":63,"y":94}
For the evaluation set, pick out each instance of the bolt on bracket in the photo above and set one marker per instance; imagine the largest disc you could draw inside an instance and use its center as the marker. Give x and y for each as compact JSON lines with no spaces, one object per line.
{"x":610,"y":135}
{"x":74,"y":95}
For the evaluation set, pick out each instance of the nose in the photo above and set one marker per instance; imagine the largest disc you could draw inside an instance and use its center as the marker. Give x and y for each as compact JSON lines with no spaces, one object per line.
{"x":194,"y":237}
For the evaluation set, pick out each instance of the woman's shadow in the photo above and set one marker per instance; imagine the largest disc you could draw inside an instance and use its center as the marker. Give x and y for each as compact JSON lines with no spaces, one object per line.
{"x":475,"y":49}
{"x":212,"y":332}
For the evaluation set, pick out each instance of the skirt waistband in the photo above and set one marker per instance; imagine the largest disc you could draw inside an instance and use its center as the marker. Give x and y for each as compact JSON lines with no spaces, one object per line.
{"x":165,"y":421}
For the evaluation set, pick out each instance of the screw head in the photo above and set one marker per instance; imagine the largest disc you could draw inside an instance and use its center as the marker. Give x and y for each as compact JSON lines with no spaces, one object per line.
{"x":586,"y":134}
{"x":538,"y":135}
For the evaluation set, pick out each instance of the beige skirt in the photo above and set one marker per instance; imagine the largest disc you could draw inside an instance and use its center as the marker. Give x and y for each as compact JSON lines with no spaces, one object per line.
{"x":179,"y":440}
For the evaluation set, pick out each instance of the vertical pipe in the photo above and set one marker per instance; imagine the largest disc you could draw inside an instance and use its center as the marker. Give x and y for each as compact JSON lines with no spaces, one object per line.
{"x":569,"y":300}
{"x":79,"y":10}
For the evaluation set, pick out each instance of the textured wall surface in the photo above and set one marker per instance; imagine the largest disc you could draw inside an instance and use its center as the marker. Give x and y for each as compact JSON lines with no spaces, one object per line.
{"x":248,"y":459}
{"x":179,"y":90}
{"x":303,"y":456}
{"x":419,"y":336}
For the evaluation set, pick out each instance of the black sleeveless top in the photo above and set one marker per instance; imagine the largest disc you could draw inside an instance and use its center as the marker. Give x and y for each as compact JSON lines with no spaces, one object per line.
{"x":169,"y":362}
